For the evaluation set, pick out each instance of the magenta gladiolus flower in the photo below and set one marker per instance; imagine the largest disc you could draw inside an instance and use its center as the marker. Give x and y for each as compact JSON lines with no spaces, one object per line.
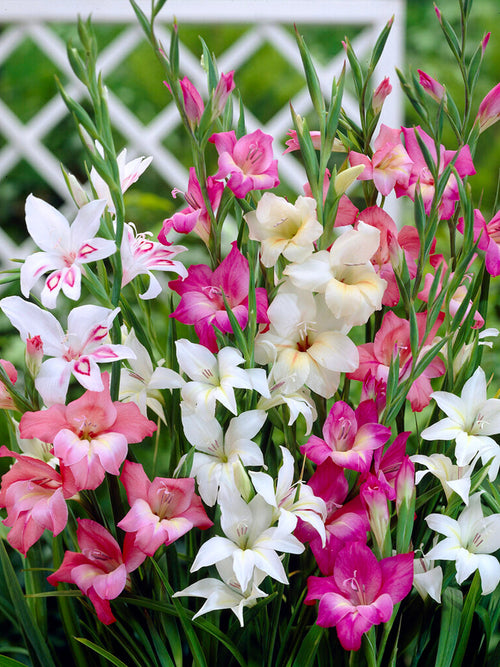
{"x":349,"y":437}
{"x":422,"y":178}
{"x":361,"y":592}
{"x":101,"y":570}
{"x":394,"y":337}
{"x":247,"y":162}
{"x":35,"y":497}
{"x":195,"y":218}
{"x":201,"y":297}
{"x":90,"y":435}
{"x":162,"y":510}
{"x":489,"y":109}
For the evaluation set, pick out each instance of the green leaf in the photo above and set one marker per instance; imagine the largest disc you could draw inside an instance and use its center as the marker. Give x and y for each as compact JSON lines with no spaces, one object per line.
{"x":102,"y":652}
{"x":450,"y":624}
{"x":466,"y":620}
{"x":210,"y":67}
{"x":356,"y":71}
{"x":380,"y":45}
{"x":309,"y":647}
{"x":312,"y":78}
{"x":34,"y":640}
{"x":10,"y":662}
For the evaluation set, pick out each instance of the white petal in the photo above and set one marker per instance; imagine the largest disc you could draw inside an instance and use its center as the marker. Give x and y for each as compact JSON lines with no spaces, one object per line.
{"x":196,"y":360}
{"x":86,"y":224}
{"x":30,"y":320}
{"x":46,"y":225}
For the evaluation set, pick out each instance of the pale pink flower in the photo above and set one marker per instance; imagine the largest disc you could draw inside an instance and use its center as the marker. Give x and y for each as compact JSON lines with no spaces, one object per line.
{"x":421,"y":177}
{"x":161,"y":511}
{"x":222,"y":92}
{"x":90,"y":435}
{"x":35,"y":497}
{"x":65,"y":248}
{"x":101,"y":570}
{"x":488,"y":236}
{"x":247,"y":162}
{"x":77,"y":352}
{"x":392,"y":338}
{"x":141,"y":256}
{"x":129,"y":173}
{"x":390,"y":163}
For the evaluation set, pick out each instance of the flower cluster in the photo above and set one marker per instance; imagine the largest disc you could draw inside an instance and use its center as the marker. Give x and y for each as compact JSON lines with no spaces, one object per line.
{"x":296,"y":378}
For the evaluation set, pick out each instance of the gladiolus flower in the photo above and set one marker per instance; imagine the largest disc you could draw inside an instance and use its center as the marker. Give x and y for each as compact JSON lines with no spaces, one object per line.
{"x":247,"y":162}
{"x":202,"y":303}
{"x":161,"y":511}
{"x":35,"y":497}
{"x":101,"y":570}
{"x":90,"y":435}
{"x":65,"y":248}
{"x":361,"y":592}
{"x":195,"y":218}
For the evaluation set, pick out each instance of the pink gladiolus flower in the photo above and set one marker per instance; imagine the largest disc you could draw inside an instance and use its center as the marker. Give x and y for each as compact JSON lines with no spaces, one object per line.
{"x":393,"y":337}
{"x":422,"y":178}
{"x":380,"y":93}
{"x":349,"y":437}
{"x":90,"y":435}
{"x":432,"y":87}
{"x":458,"y":296}
{"x":361,"y":592}
{"x":162,"y":510}
{"x":489,"y":109}
{"x":35,"y":497}
{"x":100,"y":571}
{"x":140,"y":256}
{"x":247,"y":162}
{"x":201,"y":297}
{"x":293,"y":142}
{"x":488,"y":234}
{"x":390,"y":164}
{"x":6,"y":401}
{"x":195,"y":218}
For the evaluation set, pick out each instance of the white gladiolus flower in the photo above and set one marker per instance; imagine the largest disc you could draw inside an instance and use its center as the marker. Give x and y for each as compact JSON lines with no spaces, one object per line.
{"x":469,"y":542}
{"x":452,"y":477}
{"x":219,"y":456}
{"x":297,"y":500}
{"x":427,"y":579}
{"x":76,"y":351}
{"x":284,"y":228}
{"x":471,"y":420}
{"x":345,"y":275}
{"x":141,"y":384}
{"x":65,"y":248}
{"x":305,"y":343}
{"x":251,"y":540}
{"x":215,"y":377}
{"x":226,"y":594}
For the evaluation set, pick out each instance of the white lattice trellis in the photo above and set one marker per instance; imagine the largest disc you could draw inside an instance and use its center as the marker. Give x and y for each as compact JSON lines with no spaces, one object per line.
{"x":265,"y":18}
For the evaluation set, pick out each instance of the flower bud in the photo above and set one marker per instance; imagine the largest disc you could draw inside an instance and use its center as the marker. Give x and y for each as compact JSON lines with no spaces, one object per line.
{"x":375,"y":502}
{"x":432,"y":87}
{"x":6,"y":401}
{"x":34,"y":355}
{"x":221,"y":93}
{"x":347,"y":177}
{"x":405,"y":483}
{"x":193,"y":104}
{"x":381,"y":92}
{"x":489,"y":109}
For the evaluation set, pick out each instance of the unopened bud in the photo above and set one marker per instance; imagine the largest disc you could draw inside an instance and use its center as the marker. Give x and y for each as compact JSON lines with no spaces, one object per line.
{"x":34,"y":355}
